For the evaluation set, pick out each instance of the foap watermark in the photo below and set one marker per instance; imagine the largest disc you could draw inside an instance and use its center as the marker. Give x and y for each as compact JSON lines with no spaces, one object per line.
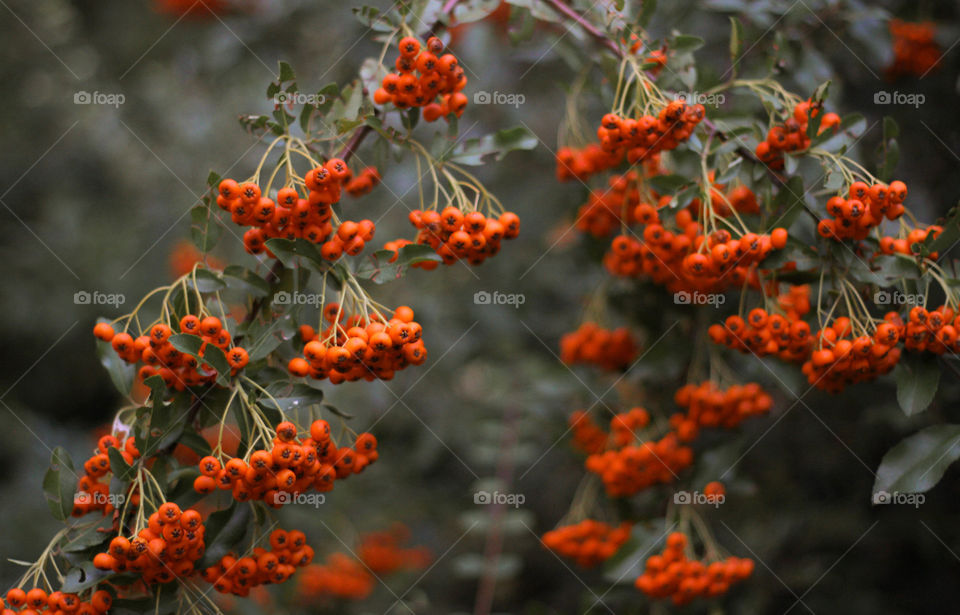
{"x":884,"y":297}
{"x":482,"y":297}
{"x":703,"y":98}
{"x":316,"y":500}
{"x":898,"y":497}
{"x":696,"y":297}
{"x":85,"y":297}
{"x":98,"y":498}
{"x":682,"y":498}
{"x":299,"y":98}
{"x":113,"y":99}
{"x":498,"y":98}
{"x":898,"y":98}
{"x":508,"y":499}
{"x":287,"y":298}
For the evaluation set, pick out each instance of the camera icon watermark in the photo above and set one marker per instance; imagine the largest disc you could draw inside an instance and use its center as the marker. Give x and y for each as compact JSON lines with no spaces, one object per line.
{"x":908,"y":499}
{"x":684,"y":498}
{"x":113,"y":99}
{"x":701,"y":98}
{"x":498,"y":98}
{"x":97,"y":498}
{"x":283,"y":498}
{"x":482,"y":297}
{"x":485,"y":498}
{"x":299,"y":98}
{"x":883,"y":297}
{"x":287,"y":298}
{"x":83,"y":297}
{"x":685,"y":297}
{"x":898,"y":98}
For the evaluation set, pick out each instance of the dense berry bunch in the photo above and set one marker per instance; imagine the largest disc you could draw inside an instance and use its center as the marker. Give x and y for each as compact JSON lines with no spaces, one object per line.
{"x":354,"y":348}
{"x":340,"y":576}
{"x":587,"y":435}
{"x":291,"y":467}
{"x":166,"y":549}
{"x":422,"y":76}
{"x":37,"y":601}
{"x":636,"y":467}
{"x":672,"y":574}
{"x":687,"y":260}
{"x":610,"y":349}
{"x":864,"y":208}
{"x":582,"y":163}
{"x":383,"y":552}
{"x":933,"y":331}
{"x":843,"y":358}
{"x":915,"y":52}
{"x":625,"y":426}
{"x":95,"y":495}
{"x":159,"y":357}
{"x":791,"y":136}
{"x":456,"y":236}
{"x":588,"y":542}
{"x":763,"y":334}
{"x":288,"y":551}
{"x":362,"y":183}
{"x":908,"y":245}
{"x":291,"y":216}
{"x":640,"y":138}
{"x":707,"y":405}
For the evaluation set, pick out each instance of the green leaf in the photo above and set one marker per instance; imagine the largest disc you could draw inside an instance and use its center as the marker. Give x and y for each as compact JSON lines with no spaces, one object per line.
{"x":686,"y":43}
{"x":473,"y":152}
{"x":668,"y":184}
{"x":473,"y":10}
{"x":648,"y":8}
{"x":286,"y":73}
{"x":286,"y":398}
{"x":60,"y":484}
{"x":83,"y":576}
{"x":82,"y":538}
{"x":207,"y":281}
{"x":288,"y":251}
{"x":205,"y":230}
{"x":242,"y":279}
{"x":121,"y":372}
{"x":949,"y":236}
{"x":371,"y":18}
{"x":212,"y":355}
{"x":224,"y":530}
{"x":123,"y":471}
{"x":736,"y":42}
{"x":378,"y":268}
{"x":918,"y":462}
{"x":917,"y":377}
{"x":195,"y":442}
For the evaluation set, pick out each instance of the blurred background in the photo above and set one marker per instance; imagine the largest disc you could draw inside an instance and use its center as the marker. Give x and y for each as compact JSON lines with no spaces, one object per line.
{"x":114,"y":113}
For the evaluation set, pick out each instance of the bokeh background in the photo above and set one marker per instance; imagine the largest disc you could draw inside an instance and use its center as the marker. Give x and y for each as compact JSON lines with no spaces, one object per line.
{"x":96,"y":198}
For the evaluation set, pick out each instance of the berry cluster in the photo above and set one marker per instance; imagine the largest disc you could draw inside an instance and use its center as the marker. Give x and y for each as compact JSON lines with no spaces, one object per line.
{"x":91,"y":493}
{"x":582,"y":163}
{"x":341,"y":576}
{"x":864,"y":208}
{"x":791,"y":136}
{"x":647,"y":135}
{"x":37,"y":601}
{"x":624,"y":426}
{"x":421,"y":77}
{"x":178,"y":370}
{"x":672,"y":574}
{"x":905,"y":245}
{"x":707,"y":405}
{"x":290,"y":216}
{"x":354,"y":348}
{"x":765,"y":334}
{"x":588,"y":542}
{"x":587,"y":435}
{"x":636,"y":467}
{"x":454,"y":235}
{"x":843,"y":359}
{"x":383,"y":553}
{"x":166,"y":549}
{"x":688,"y":260}
{"x":288,"y":551}
{"x":362,"y":183}
{"x":933,"y":331}
{"x":609,"y":349}
{"x":290,"y":467}
{"x":915,"y":52}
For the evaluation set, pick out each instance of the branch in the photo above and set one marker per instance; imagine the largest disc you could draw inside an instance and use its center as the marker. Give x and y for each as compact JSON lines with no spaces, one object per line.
{"x":591,"y":29}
